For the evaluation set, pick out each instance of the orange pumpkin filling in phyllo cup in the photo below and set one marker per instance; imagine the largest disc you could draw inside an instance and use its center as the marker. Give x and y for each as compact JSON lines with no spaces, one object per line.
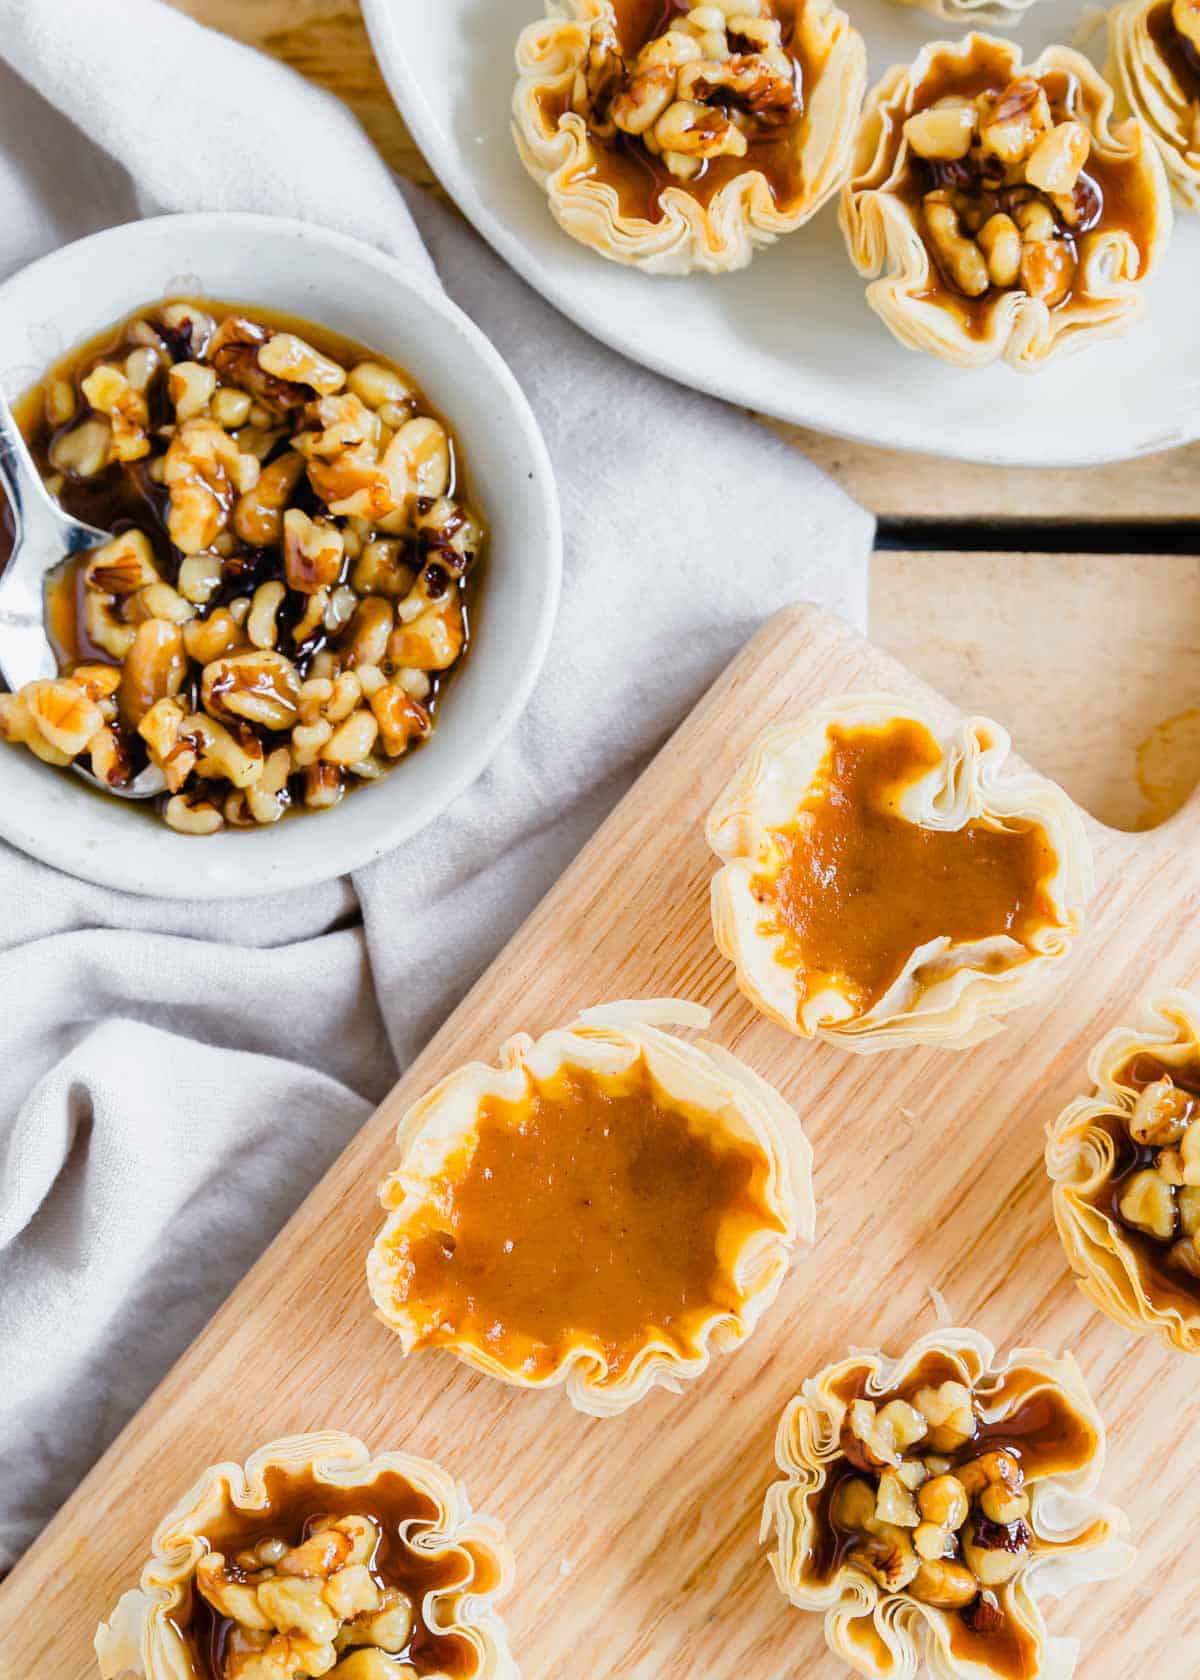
{"x":885,"y":884}
{"x":604,"y":1210}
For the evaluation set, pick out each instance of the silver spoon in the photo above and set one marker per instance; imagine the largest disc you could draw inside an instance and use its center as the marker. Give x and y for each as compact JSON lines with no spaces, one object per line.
{"x":44,"y":539}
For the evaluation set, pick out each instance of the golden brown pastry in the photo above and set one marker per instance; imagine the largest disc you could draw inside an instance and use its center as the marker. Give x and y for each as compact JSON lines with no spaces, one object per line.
{"x":683,"y":137}
{"x":1010,"y":216}
{"x":317,"y":1559}
{"x":605,"y":1209}
{"x":1154,"y":65}
{"x":885,"y":884}
{"x":1126,"y":1169}
{"x":928,"y":1503}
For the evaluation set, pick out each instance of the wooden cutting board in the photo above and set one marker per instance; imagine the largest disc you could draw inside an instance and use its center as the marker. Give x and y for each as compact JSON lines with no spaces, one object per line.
{"x":637,"y":1538}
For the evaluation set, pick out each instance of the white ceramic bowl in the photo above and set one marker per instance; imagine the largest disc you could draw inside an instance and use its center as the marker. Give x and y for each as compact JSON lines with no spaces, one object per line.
{"x":74,"y":293}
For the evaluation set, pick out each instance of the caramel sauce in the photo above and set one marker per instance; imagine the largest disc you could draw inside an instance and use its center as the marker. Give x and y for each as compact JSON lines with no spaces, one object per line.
{"x":1176,"y":53}
{"x":1037,"y":1425}
{"x":1110,"y":187}
{"x":640,"y":178}
{"x":296,"y":1502}
{"x":588,"y":1212}
{"x":860,"y":888}
{"x":1169,"y":1286}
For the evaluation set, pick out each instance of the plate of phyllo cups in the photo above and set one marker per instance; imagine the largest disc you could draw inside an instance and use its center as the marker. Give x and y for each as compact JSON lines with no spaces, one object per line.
{"x":611,"y":1207}
{"x":826,"y":212}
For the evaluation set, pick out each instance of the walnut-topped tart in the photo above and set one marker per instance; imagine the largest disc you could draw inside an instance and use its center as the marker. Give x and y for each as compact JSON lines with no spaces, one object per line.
{"x":317,"y":1559}
{"x":885,"y":884}
{"x":680,"y":136}
{"x":1013,"y":218}
{"x":1126,"y":1169}
{"x":927,"y":1502}
{"x":1154,"y":64}
{"x":604,"y":1210}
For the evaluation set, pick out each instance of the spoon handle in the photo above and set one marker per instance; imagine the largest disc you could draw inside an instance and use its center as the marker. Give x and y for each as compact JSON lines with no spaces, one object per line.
{"x":19,"y":478}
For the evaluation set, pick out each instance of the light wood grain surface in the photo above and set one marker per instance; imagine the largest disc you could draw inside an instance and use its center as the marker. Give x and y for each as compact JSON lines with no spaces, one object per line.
{"x":637,"y":1537}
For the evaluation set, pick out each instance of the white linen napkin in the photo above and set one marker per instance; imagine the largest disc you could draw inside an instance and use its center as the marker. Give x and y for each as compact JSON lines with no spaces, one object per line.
{"x":174,"y":1077}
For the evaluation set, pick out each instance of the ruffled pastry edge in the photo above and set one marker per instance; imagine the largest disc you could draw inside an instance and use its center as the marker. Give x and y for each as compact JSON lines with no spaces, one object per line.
{"x":966,"y":1005}
{"x":882,"y":232}
{"x":1079,"y":1159}
{"x":714,"y":239}
{"x":139,"y":1638}
{"x":860,"y":1616}
{"x":1146,"y":88}
{"x":610,"y":1039}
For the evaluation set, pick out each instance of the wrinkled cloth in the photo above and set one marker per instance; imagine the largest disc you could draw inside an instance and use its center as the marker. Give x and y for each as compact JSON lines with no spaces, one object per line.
{"x":175,"y":1077}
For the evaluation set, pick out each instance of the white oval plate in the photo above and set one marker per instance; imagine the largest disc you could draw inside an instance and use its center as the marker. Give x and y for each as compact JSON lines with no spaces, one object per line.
{"x":71,"y":295}
{"x":792,"y":335}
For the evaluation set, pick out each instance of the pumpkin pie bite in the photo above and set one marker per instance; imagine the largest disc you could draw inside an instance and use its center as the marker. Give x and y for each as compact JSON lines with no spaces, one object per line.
{"x":1154,"y":65}
{"x":316,"y":1559}
{"x":1125,"y":1163}
{"x":603,"y":1210}
{"x":885,"y":885}
{"x":928,"y":1502}
{"x":1011,"y":217}
{"x":676,"y":136}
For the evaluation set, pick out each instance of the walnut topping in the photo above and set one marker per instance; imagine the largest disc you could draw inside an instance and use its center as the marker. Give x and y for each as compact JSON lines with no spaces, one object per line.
{"x":927,"y":1513}
{"x":1161,"y":1198}
{"x":303,"y":537}
{"x":312,"y":1609}
{"x":716,"y":77}
{"x":1008,"y":193}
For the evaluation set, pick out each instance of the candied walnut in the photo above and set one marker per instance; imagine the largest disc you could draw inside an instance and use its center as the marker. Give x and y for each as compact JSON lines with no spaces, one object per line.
{"x":402,"y":720}
{"x":204,"y":473}
{"x":190,"y":386}
{"x":258,"y":518}
{"x":55,"y":718}
{"x":292,"y":359}
{"x":154,"y":669}
{"x":313,"y":552}
{"x":234,"y":352}
{"x":108,"y":390}
{"x":260,"y":687}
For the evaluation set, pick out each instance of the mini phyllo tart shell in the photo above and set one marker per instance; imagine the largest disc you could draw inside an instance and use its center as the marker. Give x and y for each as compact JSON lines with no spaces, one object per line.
{"x":1006,"y":13}
{"x":928,"y":1502}
{"x":1125,"y":1163}
{"x":884,"y":885}
{"x":316,"y":1558}
{"x":1011,"y":216}
{"x":603,"y":1210}
{"x":686,"y":144}
{"x":1154,"y":65}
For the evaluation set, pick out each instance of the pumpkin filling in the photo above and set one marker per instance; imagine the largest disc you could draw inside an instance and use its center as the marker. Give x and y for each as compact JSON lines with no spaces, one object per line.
{"x":594,"y":1212}
{"x":858,"y":887}
{"x":327,"y":1582}
{"x":691,"y":96}
{"x":930,"y":1498}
